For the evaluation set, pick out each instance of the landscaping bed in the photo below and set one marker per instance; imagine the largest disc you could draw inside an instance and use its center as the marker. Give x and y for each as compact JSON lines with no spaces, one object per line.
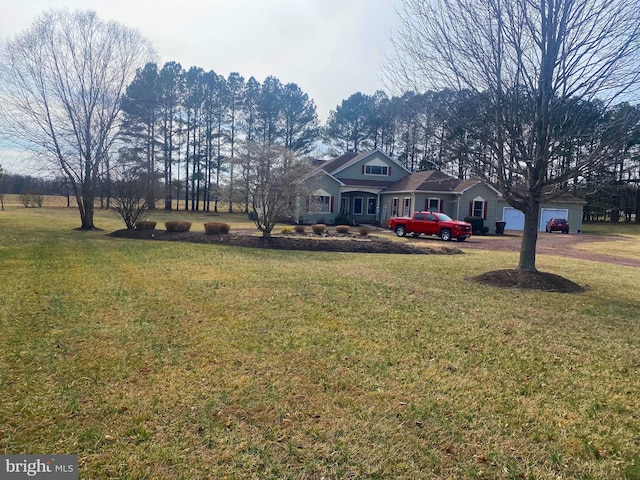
{"x":315,"y":243}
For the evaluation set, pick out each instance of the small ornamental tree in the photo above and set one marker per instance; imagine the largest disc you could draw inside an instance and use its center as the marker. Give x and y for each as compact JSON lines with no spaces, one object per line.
{"x":129,"y":197}
{"x":274,"y":179}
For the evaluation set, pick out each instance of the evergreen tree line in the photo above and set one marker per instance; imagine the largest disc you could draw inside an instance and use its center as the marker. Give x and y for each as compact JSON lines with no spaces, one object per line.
{"x":443,"y":131}
{"x":182,"y":130}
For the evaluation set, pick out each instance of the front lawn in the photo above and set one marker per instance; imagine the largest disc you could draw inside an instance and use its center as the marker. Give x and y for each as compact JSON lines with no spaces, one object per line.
{"x":180,"y":361}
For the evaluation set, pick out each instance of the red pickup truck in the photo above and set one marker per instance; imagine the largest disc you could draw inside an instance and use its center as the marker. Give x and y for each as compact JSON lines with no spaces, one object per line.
{"x":431,"y":223}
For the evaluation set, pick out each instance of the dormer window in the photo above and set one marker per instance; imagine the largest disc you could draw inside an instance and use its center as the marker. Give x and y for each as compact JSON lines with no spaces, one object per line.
{"x":376,"y":170}
{"x":376,"y":167}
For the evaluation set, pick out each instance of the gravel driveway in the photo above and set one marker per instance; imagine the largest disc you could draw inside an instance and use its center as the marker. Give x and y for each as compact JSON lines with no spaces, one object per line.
{"x":552,"y":244}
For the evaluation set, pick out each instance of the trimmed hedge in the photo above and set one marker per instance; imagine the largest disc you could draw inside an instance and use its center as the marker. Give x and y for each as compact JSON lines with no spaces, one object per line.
{"x":175,"y":226}
{"x":477,"y":225}
{"x":299,"y":229}
{"x":342,"y":229}
{"x":216,"y":228}
{"x":319,"y":228}
{"x":145,"y":225}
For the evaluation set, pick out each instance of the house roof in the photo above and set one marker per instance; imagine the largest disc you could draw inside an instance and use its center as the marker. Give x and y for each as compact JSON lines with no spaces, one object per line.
{"x":551,"y":194}
{"x":337,"y":163}
{"x":431,"y":181}
{"x":350,"y":158}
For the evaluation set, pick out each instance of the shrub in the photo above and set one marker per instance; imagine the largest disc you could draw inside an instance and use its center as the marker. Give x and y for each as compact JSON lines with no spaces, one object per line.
{"x":145,"y":225}
{"x":477,"y":224}
{"x":286,"y":231}
{"x":342,"y":229}
{"x":364,"y":231}
{"x":216,"y":228}
{"x":318,"y":228}
{"x":299,"y":229}
{"x":341,"y":219}
{"x":175,"y":226}
{"x":31,"y":200}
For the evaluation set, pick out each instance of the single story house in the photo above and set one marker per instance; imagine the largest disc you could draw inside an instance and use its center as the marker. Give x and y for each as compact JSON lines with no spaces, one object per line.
{"x":371,"y":187}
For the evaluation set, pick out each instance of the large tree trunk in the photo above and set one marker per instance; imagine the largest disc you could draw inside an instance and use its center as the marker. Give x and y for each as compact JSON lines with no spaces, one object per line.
{"x":529,"y":239}
{"x":86,"y":209}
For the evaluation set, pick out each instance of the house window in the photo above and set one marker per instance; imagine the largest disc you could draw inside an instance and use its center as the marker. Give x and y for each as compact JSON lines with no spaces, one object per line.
{"x":394,"y":207}
{"x":372,"y":205}
{"x":376,"y":170}
{"x":344,"y":206}
{"x":406,"y":207}
{"x":433,"y":204}
{"x":320,"y":204}
{"x":478,"y":208}
{"x":357,"y":206}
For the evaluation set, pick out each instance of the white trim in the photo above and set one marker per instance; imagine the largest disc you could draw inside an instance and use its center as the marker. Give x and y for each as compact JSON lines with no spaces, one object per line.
{"x":543,"y":222}
{"x":439,"y":203}
{"x":374,"y":191}
{"x":483,"y":202}
{"x":461,"y":192}
{"x":404,"y":206}
{"x":394,"y":213}
{"x":313,"y":205}
{"x":382,"y":167}
{"x":320,"y":170}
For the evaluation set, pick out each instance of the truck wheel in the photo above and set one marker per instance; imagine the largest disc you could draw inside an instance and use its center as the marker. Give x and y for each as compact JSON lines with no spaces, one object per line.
{"x":445,"y":234}
{"x":401,"y":231}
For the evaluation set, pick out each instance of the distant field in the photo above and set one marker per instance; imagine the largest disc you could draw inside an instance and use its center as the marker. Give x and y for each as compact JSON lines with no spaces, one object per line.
{"x":48,"y":200}
{"x":61,"y":201}
{"x":159,"y":360}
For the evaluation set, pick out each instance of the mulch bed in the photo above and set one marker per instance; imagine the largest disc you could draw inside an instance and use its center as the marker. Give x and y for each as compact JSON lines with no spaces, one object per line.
{"x":346,"y":243}
{"x":547,"y":282}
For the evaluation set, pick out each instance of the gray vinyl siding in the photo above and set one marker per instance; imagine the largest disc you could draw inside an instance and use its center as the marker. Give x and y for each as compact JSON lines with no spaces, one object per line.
{"x":489,"y":195}
{"x":354,"y":172}
{"x":386,"y":204}
{"x":574,"y":214}
{"x":321,"y":182}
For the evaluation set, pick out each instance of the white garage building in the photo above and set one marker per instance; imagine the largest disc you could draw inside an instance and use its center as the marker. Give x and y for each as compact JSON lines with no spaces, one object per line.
{"x":565,"y":206}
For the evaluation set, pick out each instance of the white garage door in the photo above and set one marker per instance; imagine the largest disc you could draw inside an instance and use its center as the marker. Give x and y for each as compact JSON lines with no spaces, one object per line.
{"x":547,"y":213}
{"x":514,"y":218}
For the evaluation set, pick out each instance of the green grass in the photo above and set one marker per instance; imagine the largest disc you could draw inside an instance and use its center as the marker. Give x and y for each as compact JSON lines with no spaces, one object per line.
{"x":168,"y":360}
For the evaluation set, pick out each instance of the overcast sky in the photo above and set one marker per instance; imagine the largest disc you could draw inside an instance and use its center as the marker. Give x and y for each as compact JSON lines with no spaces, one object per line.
{"x":330,"y":48}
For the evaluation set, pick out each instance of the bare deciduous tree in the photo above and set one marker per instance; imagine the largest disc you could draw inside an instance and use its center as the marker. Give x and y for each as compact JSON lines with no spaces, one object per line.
{"x":274,"y":178}
{"x":532,"y":62}
{"x":129,"y":194}
{"x":61,"y":84}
